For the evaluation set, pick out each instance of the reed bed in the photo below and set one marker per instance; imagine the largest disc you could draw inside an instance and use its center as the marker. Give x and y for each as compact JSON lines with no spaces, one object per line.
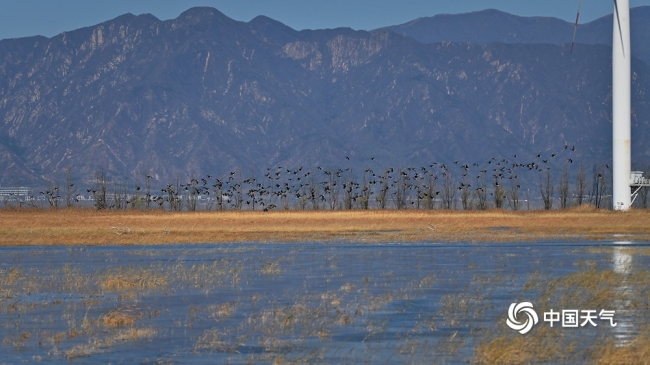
{"x":79,"y":226}
{"x":364,"y":305}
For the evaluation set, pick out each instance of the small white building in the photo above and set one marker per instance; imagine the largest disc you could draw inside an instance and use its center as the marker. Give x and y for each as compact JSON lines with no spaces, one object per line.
{"x":14,"y":191}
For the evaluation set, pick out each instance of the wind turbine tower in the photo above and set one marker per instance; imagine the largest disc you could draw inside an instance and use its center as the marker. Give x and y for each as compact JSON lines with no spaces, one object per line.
{"x":623,"y":179}
{"x":621,"y":107}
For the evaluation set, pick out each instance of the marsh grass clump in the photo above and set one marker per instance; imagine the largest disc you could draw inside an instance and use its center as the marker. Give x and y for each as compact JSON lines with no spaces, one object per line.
{"x":18,"y":340}
{"x":118,"y":319}
{"x":591,"y":288}
{"x":347,"y":287}
{"x":272,"y":267}
{"x":303,"y":319}
{"x":599,"y":289}
{"x":132,"y":334}
{"x":213,"y":340}
{"x":82,"y":350}
{"x":276,"y":345}
{"x":222,"y":311}
{"x":99,"y":345}
{"x":635,"y":352}
{"x":515,"y":349}
{"x":121,"y":229}
{"x":131,"y":278}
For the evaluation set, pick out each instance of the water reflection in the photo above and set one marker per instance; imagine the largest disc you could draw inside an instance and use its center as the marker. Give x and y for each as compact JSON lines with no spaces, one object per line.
{"x":622,"y":262}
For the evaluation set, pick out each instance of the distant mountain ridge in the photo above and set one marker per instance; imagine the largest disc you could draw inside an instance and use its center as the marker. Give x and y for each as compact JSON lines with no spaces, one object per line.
{"x":203,"y":93}
{"x":489,"y":26}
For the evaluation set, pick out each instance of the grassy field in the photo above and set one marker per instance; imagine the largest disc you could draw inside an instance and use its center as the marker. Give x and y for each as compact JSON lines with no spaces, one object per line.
{"x":132,"y":227}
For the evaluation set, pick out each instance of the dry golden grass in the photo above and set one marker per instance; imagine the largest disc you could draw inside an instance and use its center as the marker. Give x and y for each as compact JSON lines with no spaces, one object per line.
{"x":101,"y":345}
{"x":89,"y":226}
{"x":549,"y":348}
{"x":584,"y":289}
{"x":636,"y":352}
{"x":513,"y":350}
{"x":115,"y":283}
{"x":118,"y":319}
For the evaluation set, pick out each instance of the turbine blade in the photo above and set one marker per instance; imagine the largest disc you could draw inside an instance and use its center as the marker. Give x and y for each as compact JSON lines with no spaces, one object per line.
{"x":575,"y":28}
{"x":620,"y":30}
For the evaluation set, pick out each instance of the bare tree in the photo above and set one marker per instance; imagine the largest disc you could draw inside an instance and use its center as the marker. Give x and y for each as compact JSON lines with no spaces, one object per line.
{"x":252,"y":190}
{"x":430,"y":190}
{"x":173,"y":197}
{"x":100,"y":190}
{"x":331,"y":190}
{"x":598,"y":185}
{"x":120,"y":193}
{"x":605,"y":187}
{"x":193,"y":193}
{"x":136,"y":200}
{"x":71,"y":195}
{"x":513,"y":197}
{"x":581,"y":184}
{"x":314,"y":193}
{"x":481,"y":191}
{"x":381,"y":196}
{"x":52,"y":194}
{"x":448,"y":189}
{"x":348,"y":190}
{"x":218,"y":193}
{"x":364,"y":197}
{"x":546,"y":188}
{"x":304,"y":194}
{"x":401,"y":189}
{"x":466,"y":193}
{"x":563,"y":187}
{"x":499,"y":193}
{"x":238,"y":190}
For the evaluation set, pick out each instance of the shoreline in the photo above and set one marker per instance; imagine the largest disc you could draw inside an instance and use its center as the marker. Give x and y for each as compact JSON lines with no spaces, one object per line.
{"x":85,"y":226}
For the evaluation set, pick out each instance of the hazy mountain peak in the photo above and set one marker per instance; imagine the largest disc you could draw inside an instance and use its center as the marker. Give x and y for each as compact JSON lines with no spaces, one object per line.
{"x":265,"y":25}
{"x":491,"y":25}
{"x":203,"y":14}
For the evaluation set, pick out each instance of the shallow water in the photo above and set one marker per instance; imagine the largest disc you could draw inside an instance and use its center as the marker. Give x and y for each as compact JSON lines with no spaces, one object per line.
{"x":324,"y":303}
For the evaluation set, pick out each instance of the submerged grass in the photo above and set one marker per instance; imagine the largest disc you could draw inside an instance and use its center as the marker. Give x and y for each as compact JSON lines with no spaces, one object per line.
{"x":624,"y":292}
{"x":636,"y":352}
{"x":88,"y":226}
{"x":365,"y":305}
{"x":118,"y":319}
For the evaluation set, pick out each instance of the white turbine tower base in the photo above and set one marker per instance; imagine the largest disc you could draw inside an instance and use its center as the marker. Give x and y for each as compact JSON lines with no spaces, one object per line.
{"x":621,"y":107}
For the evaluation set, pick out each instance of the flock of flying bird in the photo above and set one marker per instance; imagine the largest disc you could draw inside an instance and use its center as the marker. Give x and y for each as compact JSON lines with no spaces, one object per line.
{"x":338,"y":188}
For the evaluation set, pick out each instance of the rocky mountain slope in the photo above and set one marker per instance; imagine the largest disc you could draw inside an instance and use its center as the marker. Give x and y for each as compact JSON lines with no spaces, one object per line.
{"x":206,"y":94}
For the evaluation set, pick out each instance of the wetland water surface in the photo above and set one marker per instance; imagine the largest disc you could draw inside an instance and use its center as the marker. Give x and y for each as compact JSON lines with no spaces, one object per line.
{"x":322,"y":303}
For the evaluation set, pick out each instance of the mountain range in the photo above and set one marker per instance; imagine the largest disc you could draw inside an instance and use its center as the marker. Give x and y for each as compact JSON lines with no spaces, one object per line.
{"x":489,"y":26}
{"x":204,"y":93}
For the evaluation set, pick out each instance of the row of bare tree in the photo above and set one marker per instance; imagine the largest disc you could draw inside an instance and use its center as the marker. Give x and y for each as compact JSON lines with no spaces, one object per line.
{"x":437,"y":186}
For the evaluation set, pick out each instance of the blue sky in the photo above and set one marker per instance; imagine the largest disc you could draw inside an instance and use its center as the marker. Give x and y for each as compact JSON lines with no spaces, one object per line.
{"x":20,"y":18}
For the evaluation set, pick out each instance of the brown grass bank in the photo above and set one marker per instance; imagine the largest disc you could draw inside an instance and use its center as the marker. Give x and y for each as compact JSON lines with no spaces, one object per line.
{"x":89,"y":226}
